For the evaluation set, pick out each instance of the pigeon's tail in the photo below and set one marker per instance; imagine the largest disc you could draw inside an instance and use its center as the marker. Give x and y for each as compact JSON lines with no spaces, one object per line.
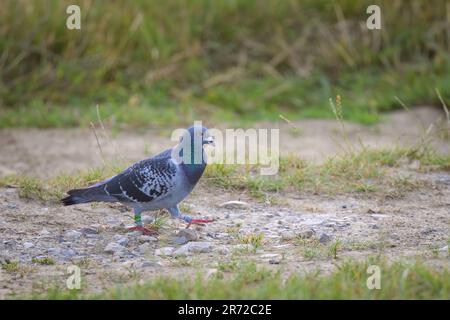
{"x":85,"y":195}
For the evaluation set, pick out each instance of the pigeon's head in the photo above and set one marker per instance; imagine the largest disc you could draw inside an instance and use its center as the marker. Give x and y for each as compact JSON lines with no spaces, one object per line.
{"x":190,"y":149}
{"x":198,"y":135}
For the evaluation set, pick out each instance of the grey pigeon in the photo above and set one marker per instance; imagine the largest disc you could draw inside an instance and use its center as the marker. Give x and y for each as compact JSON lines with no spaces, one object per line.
{"x":159,"y":182}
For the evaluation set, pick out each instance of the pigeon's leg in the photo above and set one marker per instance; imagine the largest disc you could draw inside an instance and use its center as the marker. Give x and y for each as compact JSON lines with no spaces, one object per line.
{"x":175,"y":213}
{"x":139,"y":226}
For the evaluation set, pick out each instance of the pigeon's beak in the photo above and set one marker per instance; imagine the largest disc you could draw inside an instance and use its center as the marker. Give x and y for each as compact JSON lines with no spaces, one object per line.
{"x":209,"y":140}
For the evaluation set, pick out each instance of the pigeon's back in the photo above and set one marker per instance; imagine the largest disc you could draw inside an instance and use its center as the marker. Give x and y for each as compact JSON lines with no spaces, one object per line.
{"x":142,"y":183}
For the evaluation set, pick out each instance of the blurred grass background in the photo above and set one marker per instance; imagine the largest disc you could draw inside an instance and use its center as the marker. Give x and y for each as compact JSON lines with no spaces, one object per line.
{"x":158,"y":63}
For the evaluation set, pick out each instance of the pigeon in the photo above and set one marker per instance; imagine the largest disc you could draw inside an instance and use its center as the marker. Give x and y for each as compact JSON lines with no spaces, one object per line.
{"x":159,"y":182}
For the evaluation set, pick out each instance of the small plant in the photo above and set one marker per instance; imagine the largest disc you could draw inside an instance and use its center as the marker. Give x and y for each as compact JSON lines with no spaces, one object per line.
{"x":159,"y":222}
{"x":227,"y":266}
{"x":334,"y":248}
{"x":43,"y":261}
{"x":11,"y":266}
{"x":255,"y":239}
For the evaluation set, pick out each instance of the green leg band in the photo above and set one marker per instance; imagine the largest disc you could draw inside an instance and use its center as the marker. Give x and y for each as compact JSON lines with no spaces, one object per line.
{"x":137,"y":219}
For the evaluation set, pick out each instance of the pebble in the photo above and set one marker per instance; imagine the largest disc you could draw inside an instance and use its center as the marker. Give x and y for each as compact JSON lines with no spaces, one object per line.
{"x":189,"y":234}
{"x":145,"y":238}
{"x":44,"y":232}
{"x":324,"y":238}
{"x":89,"y":230}
{"x":223,"y":250}
{"x":165,"y":251}
{"x":193,"y":247}
{"x":134,"y":234}
{"x":28,"y":245}
{"x":113,"y":247}
{"x":147,"y":219}
{"x":180,"y":240}
{"x":72,"y":235}
{"x":68,"y":253}
{"x":148,"y":264}
{"x":234,"y":205}
{"x":306,"y":234}
{"x":145,"y":247}
{"x":287,"y":235}
{"x":444,"y":249}
{"x":122,"y":240}
{"x":11,"y":206}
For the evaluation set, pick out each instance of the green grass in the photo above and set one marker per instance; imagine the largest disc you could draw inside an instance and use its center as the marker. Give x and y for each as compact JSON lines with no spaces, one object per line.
{"x":11,"y":266}
{"x":44,"y":261}
{"x":366,"y":171}
{"x":248,"y":281}
{"x":363,"y":172}
{"x":165,"y":64}
{"x":55,"y":188}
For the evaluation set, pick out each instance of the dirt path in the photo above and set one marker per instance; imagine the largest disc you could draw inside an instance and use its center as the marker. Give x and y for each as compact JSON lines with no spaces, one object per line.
{"x":298,"y":234}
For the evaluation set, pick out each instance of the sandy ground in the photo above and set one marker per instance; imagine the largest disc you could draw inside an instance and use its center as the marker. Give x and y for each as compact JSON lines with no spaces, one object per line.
{"x":94,"y":237}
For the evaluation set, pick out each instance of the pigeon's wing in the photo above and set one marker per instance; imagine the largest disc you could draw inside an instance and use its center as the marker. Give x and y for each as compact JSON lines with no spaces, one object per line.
{"x":145,"y":181}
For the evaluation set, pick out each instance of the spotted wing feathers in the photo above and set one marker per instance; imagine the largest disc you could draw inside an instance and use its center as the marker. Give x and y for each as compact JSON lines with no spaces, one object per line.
{"x":143,"y":182}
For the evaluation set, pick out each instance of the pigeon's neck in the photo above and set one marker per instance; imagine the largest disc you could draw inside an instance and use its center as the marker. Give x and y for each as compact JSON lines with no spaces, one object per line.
{"x":193,"y":165}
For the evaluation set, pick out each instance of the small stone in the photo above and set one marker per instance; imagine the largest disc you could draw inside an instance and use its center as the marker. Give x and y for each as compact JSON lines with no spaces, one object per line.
{"x":275,"y":261}
{"x":269,"y":255}
{"x":53,"y":251}
{"x":305,"y":234}
{"x":28,"y":245}
{"x":223,"y":250}
{"x":182,"y":251}
{"x":428,"y":231}
{"x":444,"y":249}
{"x":11,"y":206}
{"x":130,"y":264}
{"x":165,"y":251}
{"x":145,"y":247}
{"x":287,"y":235}
{"x":134,"y":234}
{"x":189,"y":234}
{"x":148,"y":264}
{"x":122,"y":240}
{"x":193,"y":247}
{"x":234,"y":205}
{"x":114,"y":247}
{"x":147,"y":219}
{"x":68,"y":253}
{"x":330,"y":224}
{"x":89,"y":230}
{"x":324,"y":238}
{"x":242,"y":247}
{"x":180,"y":240}
{"x":44,"y":232}
{"x":200,"y":247}
{"x":145,"y":238}
{"x":72,"y":235}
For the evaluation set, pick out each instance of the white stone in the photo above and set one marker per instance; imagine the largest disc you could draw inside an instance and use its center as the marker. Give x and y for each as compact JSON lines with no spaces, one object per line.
{"x":234,"y":204}
{"x":165,"y":251}
{"x":193,"y":247}
{"x":114,"y":247}
{"x":147,"y":219}
{"x":189,"y":234}
{"x":73,"y":234}
{"x":28,"y":245}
